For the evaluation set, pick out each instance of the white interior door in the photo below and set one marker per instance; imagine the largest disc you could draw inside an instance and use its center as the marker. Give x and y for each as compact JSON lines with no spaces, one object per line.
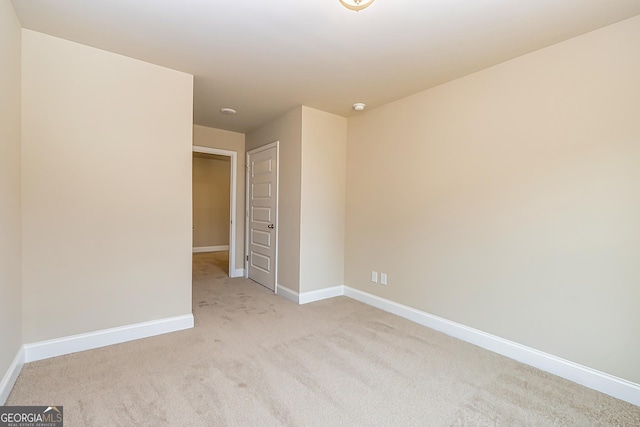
{"x":262,"y":214}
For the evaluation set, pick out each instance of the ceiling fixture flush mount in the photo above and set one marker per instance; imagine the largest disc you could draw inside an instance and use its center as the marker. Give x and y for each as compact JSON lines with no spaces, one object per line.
{"x":359,"y":106}
{"x":228,"y":111}
{"x":356,"y":5}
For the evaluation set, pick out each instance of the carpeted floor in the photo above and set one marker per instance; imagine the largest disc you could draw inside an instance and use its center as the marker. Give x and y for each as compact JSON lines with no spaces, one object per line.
{"x":256,"y":359}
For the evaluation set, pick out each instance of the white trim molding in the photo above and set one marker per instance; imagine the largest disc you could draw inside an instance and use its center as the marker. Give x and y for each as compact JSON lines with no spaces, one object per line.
{"x":287,"y":293}
{"x":311,"y":296}
{"x":11,"y":376}
{"x":237,"y":272}
{"x":81,"y":342}
{"x":320,"y":294}
{"x":588,"y":377}
{"x":201,"y":249}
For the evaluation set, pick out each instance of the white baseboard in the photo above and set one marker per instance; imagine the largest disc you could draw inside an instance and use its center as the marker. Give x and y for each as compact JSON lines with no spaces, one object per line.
{"x":237,"y":272}
{"x":11,"y":376}
{"x":591,"y":378}
{"x":311,"y":296}
{"x":72,"y":344}
{"x":320,"y":294}
{"x":287,"y":293}
{"x":211,"y":249}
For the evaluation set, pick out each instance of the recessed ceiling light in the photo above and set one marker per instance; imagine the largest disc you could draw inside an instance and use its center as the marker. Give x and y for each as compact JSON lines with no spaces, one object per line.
{"x":358,"y":106}
{"x":228,"y":111}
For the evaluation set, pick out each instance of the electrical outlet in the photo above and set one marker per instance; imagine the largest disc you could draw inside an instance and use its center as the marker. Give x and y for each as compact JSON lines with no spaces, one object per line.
{"x":383,"y":279}
{"x":374,"y":276}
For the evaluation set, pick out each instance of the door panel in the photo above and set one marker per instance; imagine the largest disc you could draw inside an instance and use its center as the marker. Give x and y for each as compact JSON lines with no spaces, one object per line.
{"x":262,"y":216}
{"x":261,"y":238}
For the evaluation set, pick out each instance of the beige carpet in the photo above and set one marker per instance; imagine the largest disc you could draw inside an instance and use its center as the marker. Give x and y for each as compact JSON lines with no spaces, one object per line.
{"x":255,"y":359}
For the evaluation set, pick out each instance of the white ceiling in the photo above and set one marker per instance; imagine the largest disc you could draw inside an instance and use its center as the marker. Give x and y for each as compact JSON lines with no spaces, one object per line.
{"x":263,"y":57}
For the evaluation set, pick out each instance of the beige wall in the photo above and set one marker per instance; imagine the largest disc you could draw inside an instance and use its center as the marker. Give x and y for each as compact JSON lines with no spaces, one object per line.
{"x":106,"y":177}
{"x":288,"y":130}
{"x":509,"y":200}
{"x":311,"y":202}
{"x":323,"y":188}
{"x":211,"y":176}
{"x":10,"y":213}
{"x":230,"y":141}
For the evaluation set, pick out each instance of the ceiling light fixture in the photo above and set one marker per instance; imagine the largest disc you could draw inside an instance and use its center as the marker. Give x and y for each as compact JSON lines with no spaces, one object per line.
{"x":356,"y":5}
{"x":228,"y":111}
{"x":359,"y":106}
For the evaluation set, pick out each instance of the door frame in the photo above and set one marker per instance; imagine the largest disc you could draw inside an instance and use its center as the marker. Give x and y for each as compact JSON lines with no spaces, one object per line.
{"x":247,"y":221}
{"x":232,"y":200}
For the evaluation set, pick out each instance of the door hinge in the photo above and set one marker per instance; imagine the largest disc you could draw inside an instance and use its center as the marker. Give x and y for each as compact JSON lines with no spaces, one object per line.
{"x":247,"y":257}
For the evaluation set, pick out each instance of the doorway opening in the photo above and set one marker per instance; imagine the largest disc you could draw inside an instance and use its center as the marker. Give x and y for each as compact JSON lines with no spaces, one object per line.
{"x":214,"y":217}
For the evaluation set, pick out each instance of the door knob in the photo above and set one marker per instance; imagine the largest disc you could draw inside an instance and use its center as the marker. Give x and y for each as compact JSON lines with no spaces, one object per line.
{"x":271,"y":226}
